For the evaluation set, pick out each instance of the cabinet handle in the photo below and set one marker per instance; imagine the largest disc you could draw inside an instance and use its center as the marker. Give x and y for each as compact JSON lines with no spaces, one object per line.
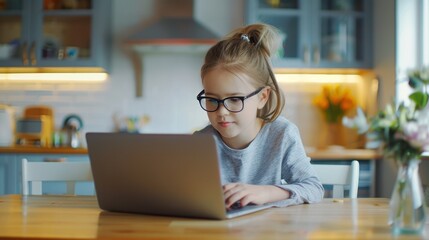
{"x":316,"y":55}
{"x":33,"y":53}
{"x":24,"y":53}
{"x":306,"y":55}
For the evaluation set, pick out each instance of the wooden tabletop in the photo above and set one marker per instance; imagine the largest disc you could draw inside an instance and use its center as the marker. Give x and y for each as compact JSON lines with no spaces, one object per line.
{"x":316,"y":154}
{"x":72,"y":217}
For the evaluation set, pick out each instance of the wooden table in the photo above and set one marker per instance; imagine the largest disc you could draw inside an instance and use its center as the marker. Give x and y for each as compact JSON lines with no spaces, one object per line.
{"x":72,"y":217}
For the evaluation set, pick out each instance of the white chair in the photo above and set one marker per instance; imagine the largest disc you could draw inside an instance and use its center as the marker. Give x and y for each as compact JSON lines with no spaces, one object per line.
{"x":339,"y":176}
{"x":38,"y":172}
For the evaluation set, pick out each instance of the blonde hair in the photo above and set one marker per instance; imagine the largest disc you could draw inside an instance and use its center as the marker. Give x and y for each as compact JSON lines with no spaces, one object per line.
{"x":247,"y":50}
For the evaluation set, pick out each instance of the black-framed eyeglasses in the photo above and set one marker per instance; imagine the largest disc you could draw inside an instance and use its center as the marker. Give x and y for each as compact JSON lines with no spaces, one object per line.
{"x":232,"y":104}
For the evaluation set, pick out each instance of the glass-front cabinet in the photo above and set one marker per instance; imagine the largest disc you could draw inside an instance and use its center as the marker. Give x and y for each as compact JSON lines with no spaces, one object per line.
{"x":54,"y":33}
{"x":318,"y":33}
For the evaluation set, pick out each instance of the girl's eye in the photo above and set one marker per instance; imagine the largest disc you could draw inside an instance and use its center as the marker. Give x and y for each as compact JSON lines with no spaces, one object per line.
{"x":234,"y":100}
{"x":212,"y":101}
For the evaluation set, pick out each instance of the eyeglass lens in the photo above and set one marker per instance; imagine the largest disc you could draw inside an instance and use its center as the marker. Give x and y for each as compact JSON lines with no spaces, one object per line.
{"x":232,"y":104}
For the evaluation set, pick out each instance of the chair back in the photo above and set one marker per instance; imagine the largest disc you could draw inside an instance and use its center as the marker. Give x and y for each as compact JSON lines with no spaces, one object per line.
{"x":340,"y":177}
{"x":34,"y":173}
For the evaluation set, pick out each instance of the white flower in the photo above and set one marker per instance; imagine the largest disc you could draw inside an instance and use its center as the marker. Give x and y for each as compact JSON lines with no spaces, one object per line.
{"x":424,"y":73}
{"x":359,"y":121}
{"x":389,"y":118}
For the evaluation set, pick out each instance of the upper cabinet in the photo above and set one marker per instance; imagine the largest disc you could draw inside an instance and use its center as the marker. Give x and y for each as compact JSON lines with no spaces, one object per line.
{"x":54,"y":33}
{"x":318,"y":33}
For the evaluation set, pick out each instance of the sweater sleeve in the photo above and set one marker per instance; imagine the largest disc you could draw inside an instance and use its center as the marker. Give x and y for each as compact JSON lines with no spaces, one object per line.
{"x":301,"y":180}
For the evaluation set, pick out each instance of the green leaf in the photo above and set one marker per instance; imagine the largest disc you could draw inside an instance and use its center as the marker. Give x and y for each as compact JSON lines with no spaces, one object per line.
{"x":420,"y":98}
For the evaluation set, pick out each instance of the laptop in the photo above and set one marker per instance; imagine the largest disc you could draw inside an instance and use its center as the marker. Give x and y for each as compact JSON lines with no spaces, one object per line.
{"x":159,"y":174}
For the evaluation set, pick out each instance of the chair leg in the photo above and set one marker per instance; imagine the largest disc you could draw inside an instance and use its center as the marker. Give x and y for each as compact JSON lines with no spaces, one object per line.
{"x":71,"y":188}
{"x":338,"y":191}
{"x":36,"y":188}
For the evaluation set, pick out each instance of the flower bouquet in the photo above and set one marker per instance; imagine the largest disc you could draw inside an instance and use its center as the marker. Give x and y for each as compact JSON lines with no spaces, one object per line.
{"x":334,"y":101}
{"x":403,"y":135}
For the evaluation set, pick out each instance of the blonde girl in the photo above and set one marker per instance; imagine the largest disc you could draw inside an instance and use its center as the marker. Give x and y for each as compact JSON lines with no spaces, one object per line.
{"x":262,"y":156}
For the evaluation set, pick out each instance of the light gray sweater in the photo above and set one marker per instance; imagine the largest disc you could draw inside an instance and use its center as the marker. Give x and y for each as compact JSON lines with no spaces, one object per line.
{"x":276,"y":155}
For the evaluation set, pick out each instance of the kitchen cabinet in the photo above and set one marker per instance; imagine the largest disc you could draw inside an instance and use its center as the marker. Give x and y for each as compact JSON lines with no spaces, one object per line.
{"x":318,"y":33}
{"x":54,"y":33}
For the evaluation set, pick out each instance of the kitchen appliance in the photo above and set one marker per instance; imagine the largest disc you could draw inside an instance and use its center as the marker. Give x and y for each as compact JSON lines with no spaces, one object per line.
{"x":35,"y":127}
{"x":174,"y":25}
{"x":7,"y":125}
{"x":34,"y":131}
{"x":71,"y":126}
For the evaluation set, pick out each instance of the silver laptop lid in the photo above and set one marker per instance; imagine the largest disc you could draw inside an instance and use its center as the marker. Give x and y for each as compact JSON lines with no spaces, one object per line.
{"x":162,"y":174}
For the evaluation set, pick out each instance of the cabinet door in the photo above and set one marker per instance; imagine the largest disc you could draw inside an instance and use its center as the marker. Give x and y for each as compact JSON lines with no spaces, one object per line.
{"x":60,"y":33}
{"x":13,"y":31}
{"x":9,"y":175}
{"x":343,"y":35}
{"x":290,"y":18}
{"x":318,"y":33}
{"x":64,"y":37}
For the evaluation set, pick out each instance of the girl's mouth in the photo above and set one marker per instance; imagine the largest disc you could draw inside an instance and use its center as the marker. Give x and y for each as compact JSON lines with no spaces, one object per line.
{"x":224,"y":124}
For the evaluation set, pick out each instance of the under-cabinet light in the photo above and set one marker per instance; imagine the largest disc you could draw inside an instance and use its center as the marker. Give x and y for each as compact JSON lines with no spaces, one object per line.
{"x":318,"y":78}
{"x":57,"y":77}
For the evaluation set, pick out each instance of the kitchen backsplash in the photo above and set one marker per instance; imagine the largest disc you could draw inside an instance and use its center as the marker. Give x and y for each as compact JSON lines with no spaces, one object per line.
{"x":169,"y":99}
{"x":300,"y":91}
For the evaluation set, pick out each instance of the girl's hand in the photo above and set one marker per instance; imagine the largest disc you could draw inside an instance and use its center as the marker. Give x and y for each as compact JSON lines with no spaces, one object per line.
{"x":255,"y":194}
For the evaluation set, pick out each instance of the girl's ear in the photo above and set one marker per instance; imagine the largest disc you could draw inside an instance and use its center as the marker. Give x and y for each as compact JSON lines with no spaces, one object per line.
{"x":263,"y":97}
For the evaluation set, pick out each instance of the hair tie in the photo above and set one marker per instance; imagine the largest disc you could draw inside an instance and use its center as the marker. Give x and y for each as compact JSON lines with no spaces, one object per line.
{"x":245,"y":38}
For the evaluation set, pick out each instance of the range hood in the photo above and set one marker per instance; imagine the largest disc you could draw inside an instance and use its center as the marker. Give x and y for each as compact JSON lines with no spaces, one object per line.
{"x":173,"y":35}
{"x":173,"y":29}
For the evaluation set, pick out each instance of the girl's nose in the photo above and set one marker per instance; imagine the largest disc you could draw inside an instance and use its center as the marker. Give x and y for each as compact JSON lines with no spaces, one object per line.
{"x":222,"y":110}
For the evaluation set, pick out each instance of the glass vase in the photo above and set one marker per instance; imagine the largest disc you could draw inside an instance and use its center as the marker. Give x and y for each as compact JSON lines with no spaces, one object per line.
{"x":407,"y":205}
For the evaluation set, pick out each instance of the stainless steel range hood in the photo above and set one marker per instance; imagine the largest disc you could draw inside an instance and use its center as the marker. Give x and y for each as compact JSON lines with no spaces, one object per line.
{"x":173,"y":29}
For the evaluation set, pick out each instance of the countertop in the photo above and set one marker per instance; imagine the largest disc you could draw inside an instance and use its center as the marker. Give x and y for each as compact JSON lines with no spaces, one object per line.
{"x":42,"y":150}
{"x":319,"y":154}
{"x":342,"y":153}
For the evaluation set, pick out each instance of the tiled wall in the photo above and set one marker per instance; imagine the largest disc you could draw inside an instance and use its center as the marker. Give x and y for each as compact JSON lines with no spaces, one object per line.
{"x":170,"y":85}
{"x":64,"y":98}
{"x":301,"y":89}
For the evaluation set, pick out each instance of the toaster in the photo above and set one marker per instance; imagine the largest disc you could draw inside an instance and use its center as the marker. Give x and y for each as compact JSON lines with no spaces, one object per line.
{"x":34,"y":130}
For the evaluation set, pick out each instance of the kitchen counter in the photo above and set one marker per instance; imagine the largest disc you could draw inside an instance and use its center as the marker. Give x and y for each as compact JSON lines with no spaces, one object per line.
{"x":42,"y":150}
{"x":342,"y":153}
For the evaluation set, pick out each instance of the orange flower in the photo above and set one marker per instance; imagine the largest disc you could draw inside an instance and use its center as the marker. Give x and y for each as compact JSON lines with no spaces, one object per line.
{"x":347,"y":104}
{"x":334,"y":101}
{"x":321,"y":102}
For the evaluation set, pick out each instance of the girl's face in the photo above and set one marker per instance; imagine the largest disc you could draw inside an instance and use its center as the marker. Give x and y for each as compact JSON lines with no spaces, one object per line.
{"x":240,"y":128}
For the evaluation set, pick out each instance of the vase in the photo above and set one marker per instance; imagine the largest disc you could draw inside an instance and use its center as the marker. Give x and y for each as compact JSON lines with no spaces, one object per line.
{"x":407,"y":204}
{"x":332,"y":136}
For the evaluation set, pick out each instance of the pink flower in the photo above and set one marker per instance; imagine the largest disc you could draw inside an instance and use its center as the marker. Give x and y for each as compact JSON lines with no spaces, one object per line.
{"x":417,"y":134}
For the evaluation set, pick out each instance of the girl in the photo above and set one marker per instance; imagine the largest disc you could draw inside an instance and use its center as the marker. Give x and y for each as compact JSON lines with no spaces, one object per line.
{"x":262,"y":156}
